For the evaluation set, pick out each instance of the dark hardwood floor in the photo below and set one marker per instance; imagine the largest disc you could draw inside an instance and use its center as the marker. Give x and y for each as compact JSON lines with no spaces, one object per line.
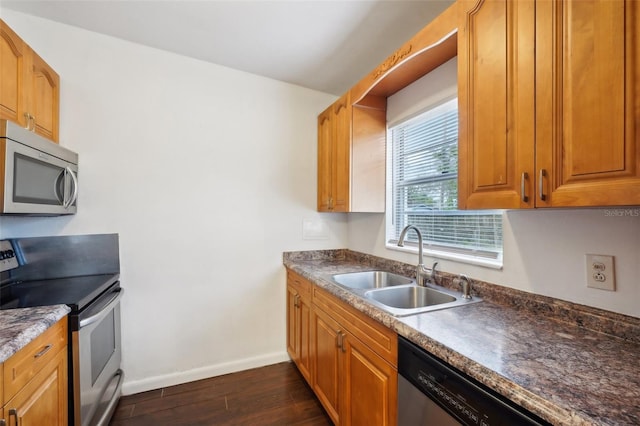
{"x":272,"y":395}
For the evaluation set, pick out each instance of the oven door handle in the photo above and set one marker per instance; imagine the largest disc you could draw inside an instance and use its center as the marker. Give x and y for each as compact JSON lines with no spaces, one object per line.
{"x":113,"y":400}
{"x":104,"y":311}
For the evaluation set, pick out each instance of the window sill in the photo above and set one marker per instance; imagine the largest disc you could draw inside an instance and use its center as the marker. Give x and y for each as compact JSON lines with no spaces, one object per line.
{"x":456,"y":257}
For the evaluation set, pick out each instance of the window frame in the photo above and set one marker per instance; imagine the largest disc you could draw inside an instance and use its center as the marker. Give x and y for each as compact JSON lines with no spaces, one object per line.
{"x":477,"y":256}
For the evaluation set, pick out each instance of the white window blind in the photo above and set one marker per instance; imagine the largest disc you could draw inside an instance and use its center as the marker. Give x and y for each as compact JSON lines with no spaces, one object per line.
{"x":425,"y":188}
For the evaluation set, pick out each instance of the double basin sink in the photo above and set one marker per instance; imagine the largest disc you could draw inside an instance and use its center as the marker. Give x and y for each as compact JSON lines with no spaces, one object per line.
{"x":399,"y":295}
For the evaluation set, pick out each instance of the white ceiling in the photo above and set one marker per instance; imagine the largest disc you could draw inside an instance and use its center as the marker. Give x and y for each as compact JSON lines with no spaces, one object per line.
{"x":320,"y":44}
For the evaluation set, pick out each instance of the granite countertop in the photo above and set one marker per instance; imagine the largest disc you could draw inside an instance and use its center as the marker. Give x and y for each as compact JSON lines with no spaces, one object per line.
{"x":18,"y":327}
{"x":568,"y":364}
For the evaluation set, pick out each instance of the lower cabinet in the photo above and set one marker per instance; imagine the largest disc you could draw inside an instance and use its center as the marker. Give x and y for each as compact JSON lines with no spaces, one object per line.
{"x":370,"y":386}
{"x":352,"y":358}
{"x":35,"y":381}
{"x":327,"y":370}
{"x":298,"y":322}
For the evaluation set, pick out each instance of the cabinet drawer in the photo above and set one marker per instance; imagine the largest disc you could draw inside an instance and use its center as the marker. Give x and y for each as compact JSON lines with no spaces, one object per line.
{"x":300,"y":284}
{"x":376,"y":336}
{"x":28,"y":361}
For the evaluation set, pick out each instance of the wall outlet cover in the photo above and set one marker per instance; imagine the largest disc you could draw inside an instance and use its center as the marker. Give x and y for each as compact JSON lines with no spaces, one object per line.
{"x":600,"y":272}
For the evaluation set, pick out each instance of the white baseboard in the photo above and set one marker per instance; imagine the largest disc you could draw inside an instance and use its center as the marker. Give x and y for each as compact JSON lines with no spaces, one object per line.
{"x":157,"y":382}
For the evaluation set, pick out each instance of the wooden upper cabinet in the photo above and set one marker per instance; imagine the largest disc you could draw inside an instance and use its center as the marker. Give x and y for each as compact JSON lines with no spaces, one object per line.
{"x":549,"y":103}
{"x":351,"y":156}
{"x":352,"y":132}
{"x":588,"y":102}
{"x":496,"y":104}
{"x":45,"y":98}
{"x":341,"y":154}
{"x":13,"y":76}
{"x":334,"y":134}
{"x":324,"y":159}
{"x":29,"y":87}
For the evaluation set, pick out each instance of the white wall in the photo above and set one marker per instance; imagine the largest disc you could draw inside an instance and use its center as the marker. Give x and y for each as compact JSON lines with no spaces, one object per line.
{"x":543,"y":249}
{"x":207,"y":174}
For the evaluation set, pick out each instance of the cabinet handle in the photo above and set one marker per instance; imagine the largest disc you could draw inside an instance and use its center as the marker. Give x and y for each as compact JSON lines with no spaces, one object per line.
{"x":43,"y":351}
{"x":523,"y":178}
{"x":543,"y":173}
{"x":342,"y":342}
{"x":330,"y":203}
{"x":14,"y":412}
{"x":3,"y":422}
{"x":27,"y":116}
{"x":30,"y":121}
{"x":339,"y":339}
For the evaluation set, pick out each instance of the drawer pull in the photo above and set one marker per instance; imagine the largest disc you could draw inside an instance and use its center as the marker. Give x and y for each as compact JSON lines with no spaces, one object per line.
{"x":14,"y":412}
{"x":523,"y":192}
{"x":43,"y":351}
{"x":543,"y":174}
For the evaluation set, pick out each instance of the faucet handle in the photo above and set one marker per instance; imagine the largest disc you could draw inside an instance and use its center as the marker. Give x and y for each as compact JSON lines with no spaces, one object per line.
{"x":433,"y":275}
{"x":466,"y":284}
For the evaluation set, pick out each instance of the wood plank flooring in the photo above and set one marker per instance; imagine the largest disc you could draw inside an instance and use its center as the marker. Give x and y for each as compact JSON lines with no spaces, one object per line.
{"x":272,"y":395}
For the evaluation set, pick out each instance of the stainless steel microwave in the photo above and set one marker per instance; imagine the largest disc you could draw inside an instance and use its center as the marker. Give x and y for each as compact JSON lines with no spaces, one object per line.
{"x":38,"y":177}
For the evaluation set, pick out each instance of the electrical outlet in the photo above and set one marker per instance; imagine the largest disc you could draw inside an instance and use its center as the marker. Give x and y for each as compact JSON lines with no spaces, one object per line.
{"x":600,"y":272}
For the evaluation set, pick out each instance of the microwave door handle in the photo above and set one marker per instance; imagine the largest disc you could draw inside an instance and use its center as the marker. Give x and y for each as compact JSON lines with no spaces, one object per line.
{"x":74,"y":196}
{"x":62,"y":199}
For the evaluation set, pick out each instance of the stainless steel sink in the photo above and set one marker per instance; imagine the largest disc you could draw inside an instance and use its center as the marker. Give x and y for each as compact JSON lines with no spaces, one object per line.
{"x":410,"y":297}
{"x":413,"y":299}
{"x":371,"y":279}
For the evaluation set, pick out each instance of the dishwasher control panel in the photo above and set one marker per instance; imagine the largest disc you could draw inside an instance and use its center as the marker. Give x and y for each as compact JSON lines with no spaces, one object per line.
{"x":453,"y":401}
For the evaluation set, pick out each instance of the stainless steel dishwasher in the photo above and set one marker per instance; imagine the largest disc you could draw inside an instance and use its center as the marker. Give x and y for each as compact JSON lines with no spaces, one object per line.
{"x":431,"y":392}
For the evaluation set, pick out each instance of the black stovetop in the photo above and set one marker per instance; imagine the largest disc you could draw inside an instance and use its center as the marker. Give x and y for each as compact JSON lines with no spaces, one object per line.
{"x":75,"y":292}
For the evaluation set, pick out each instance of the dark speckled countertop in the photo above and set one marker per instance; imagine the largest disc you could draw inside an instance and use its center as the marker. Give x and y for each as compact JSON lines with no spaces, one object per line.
{"x":567,"y":363}
{"x":18,"y":327}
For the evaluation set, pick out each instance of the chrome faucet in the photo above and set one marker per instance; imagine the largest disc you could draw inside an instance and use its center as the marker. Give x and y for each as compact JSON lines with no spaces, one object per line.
{"x":421,"y":271}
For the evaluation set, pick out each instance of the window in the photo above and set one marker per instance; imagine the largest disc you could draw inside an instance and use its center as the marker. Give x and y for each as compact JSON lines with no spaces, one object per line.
{"x":424,"y":190}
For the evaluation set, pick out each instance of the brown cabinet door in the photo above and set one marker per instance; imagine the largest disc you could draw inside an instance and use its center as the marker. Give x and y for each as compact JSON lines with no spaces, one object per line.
{"x":341,"y":154}
{"x":13,"y":76}
{"x":370,"y":387}
{"x":334,"y":156}
{"x":299,"y":342}
{"x":43,"y":401}
{"x":496,"y":104}
{"x":292,"y":324}
{"x":45,"y":95}
{"x":306,"y":349}
{"x":324,"y":160}
{"x":326,"y":363}
{"x":588,"y":102}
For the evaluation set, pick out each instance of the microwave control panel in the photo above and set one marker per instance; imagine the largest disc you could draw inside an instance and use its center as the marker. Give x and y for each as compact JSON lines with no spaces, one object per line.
{"x":8,"y":259}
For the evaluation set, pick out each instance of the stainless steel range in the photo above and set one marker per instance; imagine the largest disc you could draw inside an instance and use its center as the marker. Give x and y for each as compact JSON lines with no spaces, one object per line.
{"x":83,"y":273}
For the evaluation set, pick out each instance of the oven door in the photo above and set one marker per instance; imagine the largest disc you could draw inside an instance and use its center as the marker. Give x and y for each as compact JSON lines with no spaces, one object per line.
{"x":96,"y":355}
